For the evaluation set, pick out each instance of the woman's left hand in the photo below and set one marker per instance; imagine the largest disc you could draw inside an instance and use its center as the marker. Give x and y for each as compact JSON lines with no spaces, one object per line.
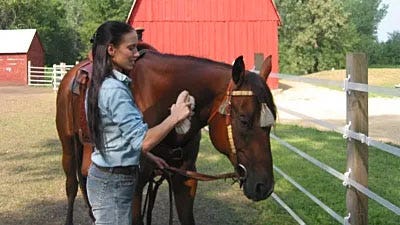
{"x":157,"y":160}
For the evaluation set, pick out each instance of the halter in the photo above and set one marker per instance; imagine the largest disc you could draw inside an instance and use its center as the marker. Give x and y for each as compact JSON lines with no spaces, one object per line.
{"x":225,"y":109}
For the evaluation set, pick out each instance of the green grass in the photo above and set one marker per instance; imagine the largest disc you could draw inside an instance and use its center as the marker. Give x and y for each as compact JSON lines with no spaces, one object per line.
{"x":330,"y":148}
{"x":32,"y":189}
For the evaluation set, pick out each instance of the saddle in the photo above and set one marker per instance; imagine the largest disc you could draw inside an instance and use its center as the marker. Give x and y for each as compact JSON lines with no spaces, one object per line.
{"x":79,"y":88}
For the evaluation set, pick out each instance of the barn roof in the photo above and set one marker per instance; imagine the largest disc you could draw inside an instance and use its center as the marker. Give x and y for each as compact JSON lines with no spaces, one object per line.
{"x":16,"y":41}
{"x":275,"y":15}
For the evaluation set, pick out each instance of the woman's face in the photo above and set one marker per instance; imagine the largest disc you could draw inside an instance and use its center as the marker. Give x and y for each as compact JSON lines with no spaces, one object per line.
{"x":123,"y":55}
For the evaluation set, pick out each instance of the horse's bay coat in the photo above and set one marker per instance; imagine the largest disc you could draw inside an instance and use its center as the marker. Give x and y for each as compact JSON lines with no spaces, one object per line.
{"x":157,"y":81}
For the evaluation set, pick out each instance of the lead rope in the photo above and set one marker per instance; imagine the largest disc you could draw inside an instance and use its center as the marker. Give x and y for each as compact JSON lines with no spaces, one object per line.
{"x":171,"y":211}
{"x":151,"y":194}
{"x":167,"y":172}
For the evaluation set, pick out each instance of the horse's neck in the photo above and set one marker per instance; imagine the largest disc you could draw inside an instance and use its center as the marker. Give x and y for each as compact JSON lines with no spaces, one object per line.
{"x":160,"y":84}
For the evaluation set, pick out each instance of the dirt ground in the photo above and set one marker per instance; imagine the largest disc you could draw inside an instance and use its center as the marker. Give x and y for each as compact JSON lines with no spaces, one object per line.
{"x":330,"y":105}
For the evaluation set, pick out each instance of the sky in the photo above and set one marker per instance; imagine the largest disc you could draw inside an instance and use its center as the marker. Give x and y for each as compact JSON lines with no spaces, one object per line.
{"x":391,"y":22}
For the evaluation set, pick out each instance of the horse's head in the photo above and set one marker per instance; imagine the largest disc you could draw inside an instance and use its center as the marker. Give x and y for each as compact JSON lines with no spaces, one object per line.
{"x":242,"y":129}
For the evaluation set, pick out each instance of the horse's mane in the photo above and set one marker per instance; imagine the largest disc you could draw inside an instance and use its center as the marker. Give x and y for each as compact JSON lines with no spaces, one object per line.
{"x":193,"y":60}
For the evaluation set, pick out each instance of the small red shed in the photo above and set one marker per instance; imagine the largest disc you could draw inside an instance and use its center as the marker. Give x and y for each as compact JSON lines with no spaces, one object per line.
{"x":17,"y":47}
{"x":217,"y":29}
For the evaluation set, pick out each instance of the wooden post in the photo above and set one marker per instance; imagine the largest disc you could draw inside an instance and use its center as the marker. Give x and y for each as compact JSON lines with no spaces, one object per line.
{"x":357,"y":152}
{"x":258,"y":60}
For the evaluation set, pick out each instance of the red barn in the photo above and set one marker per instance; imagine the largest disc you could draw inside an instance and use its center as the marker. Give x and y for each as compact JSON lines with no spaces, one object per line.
{"x":217,"y":29}
{"x":17,"y":47}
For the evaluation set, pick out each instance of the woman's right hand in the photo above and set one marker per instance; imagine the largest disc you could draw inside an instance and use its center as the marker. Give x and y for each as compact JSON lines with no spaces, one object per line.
{"x":181,"y":110}
{"x":161,"y":164}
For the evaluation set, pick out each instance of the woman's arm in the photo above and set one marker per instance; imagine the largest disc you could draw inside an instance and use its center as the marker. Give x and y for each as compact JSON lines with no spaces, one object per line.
{"x":155,"y":135}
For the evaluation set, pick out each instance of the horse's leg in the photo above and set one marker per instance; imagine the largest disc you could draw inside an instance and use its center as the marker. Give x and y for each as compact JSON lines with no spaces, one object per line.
{"x":71,"y":184}
{"x":137,"y":206}
{"x":184,"y":188}
{"x":144,"y":176}
{"x":184,"y":193}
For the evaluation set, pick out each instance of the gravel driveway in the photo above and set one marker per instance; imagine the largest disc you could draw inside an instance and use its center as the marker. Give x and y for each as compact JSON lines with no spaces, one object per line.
{"x":330,"y":106}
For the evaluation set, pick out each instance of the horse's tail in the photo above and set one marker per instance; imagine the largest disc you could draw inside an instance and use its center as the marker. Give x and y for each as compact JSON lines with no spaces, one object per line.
{"x":78,"y":86}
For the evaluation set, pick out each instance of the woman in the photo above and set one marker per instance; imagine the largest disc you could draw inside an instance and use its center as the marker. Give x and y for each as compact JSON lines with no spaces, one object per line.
{"x":117,"y":127}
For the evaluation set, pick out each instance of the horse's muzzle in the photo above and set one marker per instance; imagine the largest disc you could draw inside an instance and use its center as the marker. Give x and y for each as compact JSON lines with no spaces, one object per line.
{"x":263,"y":191}
{"x":258,"y":191}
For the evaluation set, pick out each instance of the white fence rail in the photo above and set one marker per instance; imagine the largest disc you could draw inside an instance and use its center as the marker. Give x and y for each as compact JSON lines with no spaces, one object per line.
{"x":47,"y":76}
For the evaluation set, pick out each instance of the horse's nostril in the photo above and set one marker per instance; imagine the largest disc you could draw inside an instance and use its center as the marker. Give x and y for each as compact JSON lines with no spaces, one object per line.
{"x":264,"y":190}
{"x":261,"y":188}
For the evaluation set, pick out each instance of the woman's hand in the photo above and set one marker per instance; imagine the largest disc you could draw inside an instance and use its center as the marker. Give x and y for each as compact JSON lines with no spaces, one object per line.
{"x":180,"y":110}
{"x":157,"y":160}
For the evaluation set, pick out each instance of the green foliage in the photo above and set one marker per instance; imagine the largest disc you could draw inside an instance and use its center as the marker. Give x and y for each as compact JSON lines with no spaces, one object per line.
{"x":366,"y":15}
{"x":93,"y":13}
{"x":390,"y":50}
{"x":64,"y":27}
{"x":315,"y":35}
{"x":48,"y":17}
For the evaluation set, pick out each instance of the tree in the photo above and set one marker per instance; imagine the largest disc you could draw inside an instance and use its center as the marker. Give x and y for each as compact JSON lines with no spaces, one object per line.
{"x":95,"y":13}
{"x":7,"y":14}
{"x":48,"y":17}
{"x":365,"y":15}
{"x":64,"y":27}
{"x":392,"y":50}
{"x":315,"y":35}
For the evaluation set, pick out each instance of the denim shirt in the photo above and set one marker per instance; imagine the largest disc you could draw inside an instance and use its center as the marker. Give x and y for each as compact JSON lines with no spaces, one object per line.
{"x":122,"y":124}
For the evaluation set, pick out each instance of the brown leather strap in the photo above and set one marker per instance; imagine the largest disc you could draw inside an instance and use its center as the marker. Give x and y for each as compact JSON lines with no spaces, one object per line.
{"x":154,"y":185}
{"x":201,"y":176}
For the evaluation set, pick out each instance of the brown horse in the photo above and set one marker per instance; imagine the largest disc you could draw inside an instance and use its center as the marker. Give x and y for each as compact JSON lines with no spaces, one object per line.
{"x":231,"y":101}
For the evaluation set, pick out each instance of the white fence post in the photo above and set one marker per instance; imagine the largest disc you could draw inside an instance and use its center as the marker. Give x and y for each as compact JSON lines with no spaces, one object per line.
{"x":54,"y":77}
{"x":29,"y":72}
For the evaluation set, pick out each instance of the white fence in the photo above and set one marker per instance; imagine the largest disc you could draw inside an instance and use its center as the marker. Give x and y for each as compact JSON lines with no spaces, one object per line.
{"x":352,"y":178}
{"x":47,"y":76}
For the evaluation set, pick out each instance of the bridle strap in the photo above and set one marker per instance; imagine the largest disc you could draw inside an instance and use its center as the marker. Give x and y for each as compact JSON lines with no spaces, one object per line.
{"x":228,"y":120}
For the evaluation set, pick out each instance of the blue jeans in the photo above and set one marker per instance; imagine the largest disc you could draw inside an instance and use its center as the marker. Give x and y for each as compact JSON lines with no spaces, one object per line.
{"x":111,"y":196}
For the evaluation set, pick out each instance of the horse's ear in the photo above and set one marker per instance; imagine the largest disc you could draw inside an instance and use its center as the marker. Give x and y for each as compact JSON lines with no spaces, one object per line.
{"x":238,"y":71}
{"x":266,"y":67}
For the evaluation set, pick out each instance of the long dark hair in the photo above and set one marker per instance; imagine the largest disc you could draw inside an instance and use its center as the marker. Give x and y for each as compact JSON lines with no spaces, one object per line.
{"x":110,"y":32}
